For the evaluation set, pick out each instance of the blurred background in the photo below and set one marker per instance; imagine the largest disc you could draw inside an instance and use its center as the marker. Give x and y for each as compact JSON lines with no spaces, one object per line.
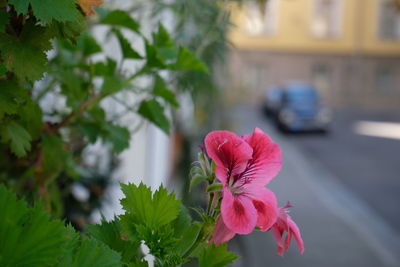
{"x":321,"y":77}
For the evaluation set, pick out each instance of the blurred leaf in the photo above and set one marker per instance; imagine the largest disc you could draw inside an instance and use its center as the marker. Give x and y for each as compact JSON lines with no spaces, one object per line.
{"x":195,"y":180}
{"x":127,"y":50}
{"x":88,"y":45}
{"x":160,"y":89}
{"x":216,"y":256}
{"x":10,"y":97}
{"x":214,"y":188}
{"x":3,"y":20}
{"x":152,"y":58}
{"x":166,"y":47}
{"x":122,"y":19}
{"x":18,"y":138}
{"x":118,"y":136}
{"x":182,"y":222}
{"x":111,"y":85}
{"x":87,"y":5}
{"x":69,"y":30}
{"x":154,"y":112}
{"x":47,"y":10}
{"x":31,"y":117}
{"x":188,"y":61}
{"x":104,"y":68}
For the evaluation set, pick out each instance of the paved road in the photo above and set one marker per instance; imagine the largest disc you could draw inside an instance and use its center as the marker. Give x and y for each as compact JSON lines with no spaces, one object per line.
{"x":331,"y":181}
{"x":369,"y":166}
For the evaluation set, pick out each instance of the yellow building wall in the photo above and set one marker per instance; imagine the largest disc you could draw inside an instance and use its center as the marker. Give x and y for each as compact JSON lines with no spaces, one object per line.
{"x":358,"y":30}
{"x":371,"y":44}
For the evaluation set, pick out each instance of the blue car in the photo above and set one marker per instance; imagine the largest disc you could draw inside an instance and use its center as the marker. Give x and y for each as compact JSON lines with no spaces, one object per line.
{"x":301,"y":109}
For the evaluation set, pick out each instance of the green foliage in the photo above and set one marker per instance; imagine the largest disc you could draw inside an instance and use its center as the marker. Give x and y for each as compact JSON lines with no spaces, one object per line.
{"x":25,"y":54}
{"x":215,"y":256}
{"x":47,"y":10}
{"x":153,"y":111}
{"x":122,"y":19}
{"x":28,"y":237}
{"x":18,"y":138}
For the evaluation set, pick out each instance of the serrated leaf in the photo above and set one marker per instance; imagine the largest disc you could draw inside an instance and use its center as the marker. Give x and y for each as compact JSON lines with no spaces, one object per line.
{"x":160,"y":89}
{"x":154,"y":112}
{"x":110,"y":234}
{"x":122,"y":19}
{"x":3,"y":20}
{"x":25,"y":55}
{"x":11,"y":95}
{"x":47,"y":10}
{"x":27,"y":235}
{"x":18,"y":138}
{"x":152,"y":210}
{"x":126,"y":48}
{"x":188,"y":61}
{"x":91,"y":252}
{"x":216,"y":256}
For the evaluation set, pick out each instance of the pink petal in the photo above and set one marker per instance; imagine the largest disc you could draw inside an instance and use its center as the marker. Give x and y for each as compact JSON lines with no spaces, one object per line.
{"x":238,"y":212}
{"x":296,"y":232}
{"x":229,"y":152}
{"x":264,"y":200}
{"x":266,"y":161}
{"x":221,"y":233}
{"x":278,"y":237}
{"x":284,"y":224}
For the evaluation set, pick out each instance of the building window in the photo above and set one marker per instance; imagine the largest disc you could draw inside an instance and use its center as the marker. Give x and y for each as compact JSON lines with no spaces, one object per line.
{"x":386,"y":79}
{"x":326,"y":20}
{"x":389,"y":20}
{"x":261,"y":18}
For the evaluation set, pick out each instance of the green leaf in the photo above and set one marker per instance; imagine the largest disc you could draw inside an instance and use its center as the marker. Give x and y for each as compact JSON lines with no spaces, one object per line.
{"x":154,"y":112}
{"x":122,"y":19}
{"x":126,"y":48}
{"x":160,"y":89}
{"x":188,"y":61}
{"x":3,"y":20}
{"x":104,"y":68}
{"x":110,"y":234}
{"x":18,"y":138}
{"x":25,"y":55}
{"x":47,"y":10}
{"x":154,"y":210}
{"x":31,"y":117}
{"x":216,"y":256}
{"x":152,"y":58}
{"x":182,"y":222}
{"x":3,"y":70}
{"x":112,"y":84}
{"x":27,"y":236}
{"x":91,"y":252}
{"x":195,"y":180}
{"x":69,"y":30}
{"x":11,"y":95}
{"x":166,"y":47}
{"x":118,"y":136}
{"x":214,"y":188}
{"x":88,"y":45}
{"x":189,"y":238}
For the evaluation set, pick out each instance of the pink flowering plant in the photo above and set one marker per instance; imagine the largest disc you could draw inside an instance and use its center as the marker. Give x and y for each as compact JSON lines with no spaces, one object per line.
{"x":155,"y":226}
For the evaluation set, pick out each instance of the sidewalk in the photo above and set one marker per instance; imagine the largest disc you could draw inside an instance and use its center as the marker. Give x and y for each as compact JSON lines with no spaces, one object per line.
{"x":337,"y":228}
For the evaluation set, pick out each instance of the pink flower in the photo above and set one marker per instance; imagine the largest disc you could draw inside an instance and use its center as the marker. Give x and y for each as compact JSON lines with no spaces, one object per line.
{"x":285,"y":224}
{"x":244,"y":165}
